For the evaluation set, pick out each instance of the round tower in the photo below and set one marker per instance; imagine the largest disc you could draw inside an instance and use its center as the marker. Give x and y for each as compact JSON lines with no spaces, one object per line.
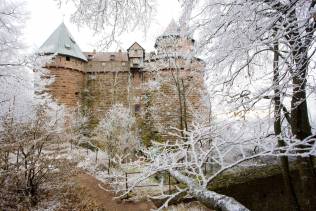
{"x":64,"y":50}
{"x":174,"y":41}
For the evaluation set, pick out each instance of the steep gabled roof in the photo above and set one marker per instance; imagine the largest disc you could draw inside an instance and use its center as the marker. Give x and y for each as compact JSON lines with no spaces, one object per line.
{"x":135,"y":44}
{"x":61,"y":42}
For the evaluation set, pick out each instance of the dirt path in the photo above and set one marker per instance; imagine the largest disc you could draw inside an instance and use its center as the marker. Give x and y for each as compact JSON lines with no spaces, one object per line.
{"x":104,"y":199}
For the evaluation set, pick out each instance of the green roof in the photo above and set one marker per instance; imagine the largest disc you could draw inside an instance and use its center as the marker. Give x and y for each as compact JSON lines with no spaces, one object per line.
{"x":62,"y":43}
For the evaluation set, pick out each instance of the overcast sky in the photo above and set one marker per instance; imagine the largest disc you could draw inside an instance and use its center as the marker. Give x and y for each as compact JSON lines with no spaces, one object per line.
{"x":45,"y":16}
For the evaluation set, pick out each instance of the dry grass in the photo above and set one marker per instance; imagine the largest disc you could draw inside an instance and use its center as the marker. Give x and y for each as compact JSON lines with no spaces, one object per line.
{"x":69,"y":196}
{"x":72,"y":199}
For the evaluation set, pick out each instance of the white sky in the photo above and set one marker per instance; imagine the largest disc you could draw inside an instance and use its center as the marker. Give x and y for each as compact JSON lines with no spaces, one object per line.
{"x":45,"y":17}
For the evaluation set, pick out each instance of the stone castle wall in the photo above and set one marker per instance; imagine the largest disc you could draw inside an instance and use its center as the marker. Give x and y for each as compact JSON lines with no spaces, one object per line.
{"x":106,"y":66}
{"x":153,"y":96}
{"x":177,"y":99}
{"x":67,"y":86}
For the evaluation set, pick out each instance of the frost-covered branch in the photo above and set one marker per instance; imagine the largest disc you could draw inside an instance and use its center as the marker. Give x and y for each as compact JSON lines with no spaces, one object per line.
{"x":111,"y":18}
{"x":185,"y":159}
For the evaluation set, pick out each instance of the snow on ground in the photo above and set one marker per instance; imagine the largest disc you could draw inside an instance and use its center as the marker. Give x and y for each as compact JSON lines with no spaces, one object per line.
{"x":96,"y":164}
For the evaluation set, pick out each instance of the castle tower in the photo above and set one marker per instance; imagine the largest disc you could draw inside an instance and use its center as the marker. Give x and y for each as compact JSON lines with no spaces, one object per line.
{"x":66,"y":53}
{"x":180,"y":79}
{"x":175,"y":50}
{"x":66,"y":66}
{"x":173,"y":41}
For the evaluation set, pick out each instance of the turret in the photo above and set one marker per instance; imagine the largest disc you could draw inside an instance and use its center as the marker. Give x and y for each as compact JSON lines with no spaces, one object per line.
{"x":136,"y":56}
{"x":174,"y":41}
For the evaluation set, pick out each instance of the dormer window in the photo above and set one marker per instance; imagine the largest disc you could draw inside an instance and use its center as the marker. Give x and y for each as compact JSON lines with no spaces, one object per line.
{"x":72,"y":40}
{"x":90,"y":56}
{"x":67,"y":46}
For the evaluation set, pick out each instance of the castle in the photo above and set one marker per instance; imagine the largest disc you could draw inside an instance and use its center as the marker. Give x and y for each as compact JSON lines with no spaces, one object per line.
{"x":163,"y":88}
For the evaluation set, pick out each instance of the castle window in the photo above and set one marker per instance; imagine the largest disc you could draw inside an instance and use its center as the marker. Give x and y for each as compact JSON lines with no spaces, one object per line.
{"x":123,"y":64}
{"x":137,"y":108}
{"x":67,"y":58}
{"x":112,"y":57}
{"x":103,"y":64}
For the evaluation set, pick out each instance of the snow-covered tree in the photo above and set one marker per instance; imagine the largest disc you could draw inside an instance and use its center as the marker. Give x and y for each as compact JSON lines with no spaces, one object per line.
{"x":29,"y":157}
{"x":12,"y":19}
{"x":116,"y":132}
{"x":16,"y":67}
{"x":238,"y":39}
{"x":12,"y":16}
{"x":111,"y":18}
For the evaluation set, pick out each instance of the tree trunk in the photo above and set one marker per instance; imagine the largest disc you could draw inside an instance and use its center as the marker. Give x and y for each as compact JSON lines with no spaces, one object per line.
{"x":210,"y":199}
{"x":288,"y":185}
{"x":217,"y":201}
{"x":177,"y":84}
{"x":184,"y":106}
{"x":301,"y":129}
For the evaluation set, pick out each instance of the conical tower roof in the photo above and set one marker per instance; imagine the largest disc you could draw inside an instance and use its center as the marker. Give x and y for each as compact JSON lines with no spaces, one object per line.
{"x":61,"y":42}
{"x":172,"y":29}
